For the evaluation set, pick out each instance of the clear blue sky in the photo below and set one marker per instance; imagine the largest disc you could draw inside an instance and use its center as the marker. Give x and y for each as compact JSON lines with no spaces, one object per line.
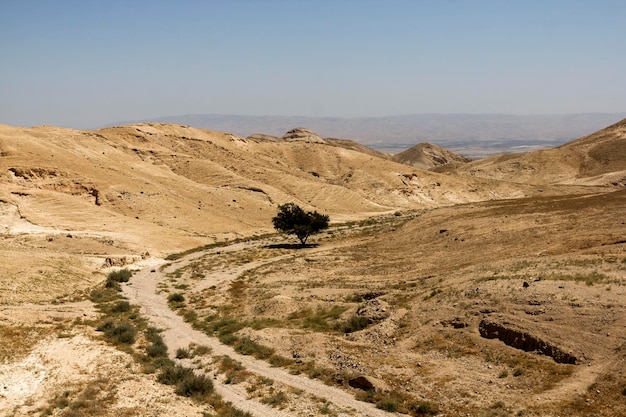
{"x":87,"y":63}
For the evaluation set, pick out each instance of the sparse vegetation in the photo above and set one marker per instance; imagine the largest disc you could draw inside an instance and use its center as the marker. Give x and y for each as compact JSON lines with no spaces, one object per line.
{"x":354,"y":324}
{"x":183,"y":353}
{"x":176,"y":298}
{"x":275,"y":400}
{"x":114,"y":278}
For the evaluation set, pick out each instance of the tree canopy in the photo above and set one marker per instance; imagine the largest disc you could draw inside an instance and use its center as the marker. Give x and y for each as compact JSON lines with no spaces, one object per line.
{"x":293,"y":220}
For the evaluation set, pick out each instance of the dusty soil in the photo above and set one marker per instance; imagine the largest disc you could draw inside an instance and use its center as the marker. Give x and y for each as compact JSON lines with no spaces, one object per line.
{"x":394,"y":307}
{"x":551,"y":269}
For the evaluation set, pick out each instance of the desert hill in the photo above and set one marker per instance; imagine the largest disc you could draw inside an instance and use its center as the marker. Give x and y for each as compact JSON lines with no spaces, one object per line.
{"x":75,"y":200}
{"x":597,"y":159}
{"x":494,"y":287}
{"x":428,"y":155}
{"x":190,"y":184}
{"x":303,"y":134}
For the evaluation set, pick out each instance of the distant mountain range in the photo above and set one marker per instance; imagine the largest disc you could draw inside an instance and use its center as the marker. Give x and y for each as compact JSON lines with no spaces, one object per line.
{"x":473,"y":135}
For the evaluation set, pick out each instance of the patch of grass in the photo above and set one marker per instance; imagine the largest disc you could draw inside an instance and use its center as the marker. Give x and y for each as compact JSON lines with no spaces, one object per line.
{"x":118,"y":332}
{"x":104,"y":295}
{"x":398,"y":402}
{"x":199,"y":350}
{"x":116,"y":277}
{"x":354,"y":324}
{"x":325,"y":409}
{"x":122,"y":275}
{"x":183,"y":353}
{"x":172,"y":375}
{"x":263,"y":323}
{"x":433,"y":293}
{"x":224,"y":328}
{"x":176,"y":298}
{"x":424,"y":408}
{"x":321,"y":320}
{"x":388,"y":404}
{"x":233,"y":371}
{"x":18,"y":341}
{"x":278,"y":360}
{"x":196,"y":386}
{"x":589,"y":279}
{"x":179,"y":255}
{"x":157,"y":350}
{"x":225,"y":408}
{"x":275,"y":400}
{"x":247,"y":346}
{"x":190,"y":316}
{"x":121,"y":307}
{"x":88,"y":401}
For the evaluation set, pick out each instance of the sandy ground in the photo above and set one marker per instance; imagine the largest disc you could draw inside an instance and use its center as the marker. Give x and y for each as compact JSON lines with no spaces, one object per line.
{"x":541,"y":253}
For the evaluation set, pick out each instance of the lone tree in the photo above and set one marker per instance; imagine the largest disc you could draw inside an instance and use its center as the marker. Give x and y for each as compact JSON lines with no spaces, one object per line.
{"x":292,"y":220}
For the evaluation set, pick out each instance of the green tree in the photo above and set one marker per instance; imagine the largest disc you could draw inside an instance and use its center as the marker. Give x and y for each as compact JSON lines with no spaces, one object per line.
{"x":292,"y":220}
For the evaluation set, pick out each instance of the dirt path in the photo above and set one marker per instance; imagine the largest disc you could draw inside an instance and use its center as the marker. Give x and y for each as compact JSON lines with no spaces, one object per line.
{"x":142,"y":290}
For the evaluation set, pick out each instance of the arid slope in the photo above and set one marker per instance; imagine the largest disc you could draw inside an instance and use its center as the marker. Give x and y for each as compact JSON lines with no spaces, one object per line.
{"x":418,"y":272}
{"x":597,"y":159}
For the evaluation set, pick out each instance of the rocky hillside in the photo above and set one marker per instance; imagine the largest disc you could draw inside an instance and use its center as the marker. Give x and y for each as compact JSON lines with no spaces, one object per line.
{"x":142,"y":182}
{"x":428,"y":155}
{"x":597,"y":159}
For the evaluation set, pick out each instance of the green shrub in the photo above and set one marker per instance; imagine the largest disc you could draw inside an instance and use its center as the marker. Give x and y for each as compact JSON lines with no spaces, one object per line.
{"x":190,"y":316}
{"x":182,"y":353}
{"x":172,"y":375}
{"x":115,"y":277}
{"x":424,"y":408}
{"x":122,"y":275}
{"x":113,"y":285}
{"x":123,"y":332}
{"x":157,"y":350}
{"x":354,"y":324}
{"x":194,"y":385}
{"x":388,"y":404}
{"x":226,"y":325}
{"x":247,"y":346}
{"x":176,"y":298}
{"x":275,"y":400}
{"x":104,"y":295}
{"x":228,"y":339}
{"x":121,"y":307}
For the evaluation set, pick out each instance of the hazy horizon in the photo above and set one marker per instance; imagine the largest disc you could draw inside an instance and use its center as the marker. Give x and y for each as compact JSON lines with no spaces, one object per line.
{"x":87,"y":64}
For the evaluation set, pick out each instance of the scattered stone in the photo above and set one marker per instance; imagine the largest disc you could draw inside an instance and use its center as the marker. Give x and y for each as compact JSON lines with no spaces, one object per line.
{"x":456,"y":323}
{"x":375,"y":310}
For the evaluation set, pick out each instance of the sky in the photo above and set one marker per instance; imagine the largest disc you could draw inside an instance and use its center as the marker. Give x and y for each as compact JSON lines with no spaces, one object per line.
{"x":88,"y":63}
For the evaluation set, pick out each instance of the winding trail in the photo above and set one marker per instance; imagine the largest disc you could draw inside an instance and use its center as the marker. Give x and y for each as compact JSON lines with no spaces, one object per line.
{"x":142,"y":290}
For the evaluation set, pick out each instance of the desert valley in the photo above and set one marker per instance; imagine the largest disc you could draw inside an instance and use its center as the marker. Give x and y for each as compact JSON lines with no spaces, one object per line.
{"x":142,"y":276}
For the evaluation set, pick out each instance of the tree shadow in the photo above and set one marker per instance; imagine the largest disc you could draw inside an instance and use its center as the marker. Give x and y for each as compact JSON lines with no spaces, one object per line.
{"x":292,"y":246}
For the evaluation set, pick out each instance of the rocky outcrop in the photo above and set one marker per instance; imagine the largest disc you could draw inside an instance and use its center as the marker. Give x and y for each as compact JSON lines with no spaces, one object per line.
{"x":261,"y":138}
{"x":524,"y":341}
{"x":427,"y":155}
{"x":374,"y":310}
{"x":301,"y":134}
